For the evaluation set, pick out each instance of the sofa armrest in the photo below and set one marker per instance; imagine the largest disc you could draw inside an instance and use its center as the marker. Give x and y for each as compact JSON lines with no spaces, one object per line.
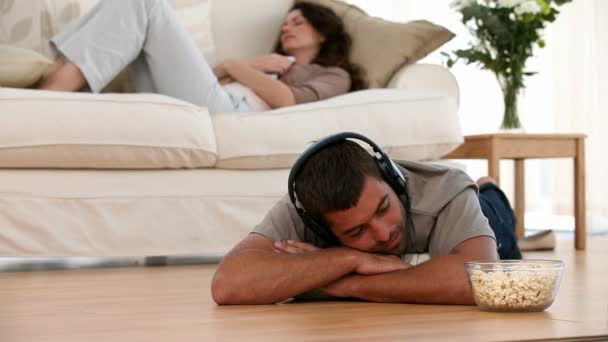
{"x":427,"y":77}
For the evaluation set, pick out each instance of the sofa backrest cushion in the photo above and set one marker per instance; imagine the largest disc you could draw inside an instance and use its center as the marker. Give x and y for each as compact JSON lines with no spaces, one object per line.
{"x":246,"y":28}
{"x":31,"y":24}
{"x":47,"y":129}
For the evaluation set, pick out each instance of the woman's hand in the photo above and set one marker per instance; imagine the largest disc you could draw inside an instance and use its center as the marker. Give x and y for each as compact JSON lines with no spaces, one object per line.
{"x":272,"y":91}
{"x":226,"y":80}
{"x":273,"y":63}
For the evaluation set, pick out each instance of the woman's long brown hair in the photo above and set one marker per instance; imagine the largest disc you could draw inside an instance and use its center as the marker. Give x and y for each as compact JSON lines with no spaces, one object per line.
{"x":335,"y":50}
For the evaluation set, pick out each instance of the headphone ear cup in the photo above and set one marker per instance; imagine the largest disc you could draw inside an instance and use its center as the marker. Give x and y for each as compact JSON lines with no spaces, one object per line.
{"x":391,"y":174}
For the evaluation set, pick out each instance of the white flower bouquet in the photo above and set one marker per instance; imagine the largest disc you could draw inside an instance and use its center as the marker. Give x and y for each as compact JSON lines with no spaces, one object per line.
{"x":505,"y":33}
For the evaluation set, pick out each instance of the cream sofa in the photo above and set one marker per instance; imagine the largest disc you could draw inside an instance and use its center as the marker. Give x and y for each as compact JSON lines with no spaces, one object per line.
{"x":142,"y":174}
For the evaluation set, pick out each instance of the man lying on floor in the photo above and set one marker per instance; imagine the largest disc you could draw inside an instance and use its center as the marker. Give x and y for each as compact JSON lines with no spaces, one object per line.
{"x":352,"y":224}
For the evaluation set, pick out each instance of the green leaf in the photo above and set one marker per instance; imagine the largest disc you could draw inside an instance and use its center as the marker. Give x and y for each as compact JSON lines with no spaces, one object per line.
{"x":541,"y":43}
{"x":561,"y":2}
{"x":471,"y":12}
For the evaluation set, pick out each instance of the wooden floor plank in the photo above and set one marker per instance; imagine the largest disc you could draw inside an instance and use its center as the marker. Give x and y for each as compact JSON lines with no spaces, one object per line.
{"x":174,"y":304}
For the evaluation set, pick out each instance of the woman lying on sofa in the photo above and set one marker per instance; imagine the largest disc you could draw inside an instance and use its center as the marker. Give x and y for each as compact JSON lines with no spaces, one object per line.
{"x":310,"y":59}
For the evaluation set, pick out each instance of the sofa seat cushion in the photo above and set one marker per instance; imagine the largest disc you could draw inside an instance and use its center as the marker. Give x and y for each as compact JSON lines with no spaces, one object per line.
{"x":406,"y":124}
{"x":44,"y":129}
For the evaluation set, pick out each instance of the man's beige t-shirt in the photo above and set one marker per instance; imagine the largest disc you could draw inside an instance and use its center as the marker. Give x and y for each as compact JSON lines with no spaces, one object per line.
{"x":444,"y":207}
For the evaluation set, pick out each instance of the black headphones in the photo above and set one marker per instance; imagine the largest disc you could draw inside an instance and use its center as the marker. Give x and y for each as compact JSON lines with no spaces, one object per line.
{"x":388,"y":169}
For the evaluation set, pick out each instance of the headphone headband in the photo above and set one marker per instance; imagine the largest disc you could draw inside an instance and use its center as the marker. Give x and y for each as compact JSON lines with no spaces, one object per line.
{"x":316,"y":147}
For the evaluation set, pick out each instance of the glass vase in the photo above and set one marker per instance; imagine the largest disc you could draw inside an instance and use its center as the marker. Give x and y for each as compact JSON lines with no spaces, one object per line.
{"x":510,"y":92}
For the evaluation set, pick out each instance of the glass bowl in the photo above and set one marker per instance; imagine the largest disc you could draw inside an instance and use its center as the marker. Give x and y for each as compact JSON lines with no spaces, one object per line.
{"x":514,"y":285}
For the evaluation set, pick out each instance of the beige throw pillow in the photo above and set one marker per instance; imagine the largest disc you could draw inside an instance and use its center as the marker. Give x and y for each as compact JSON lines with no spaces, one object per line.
{"x":20,"y":68}
{"x":382,"y":47}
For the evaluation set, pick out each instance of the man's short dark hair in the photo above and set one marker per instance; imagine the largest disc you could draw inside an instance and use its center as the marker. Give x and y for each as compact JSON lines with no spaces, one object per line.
{"x":333,"y":178}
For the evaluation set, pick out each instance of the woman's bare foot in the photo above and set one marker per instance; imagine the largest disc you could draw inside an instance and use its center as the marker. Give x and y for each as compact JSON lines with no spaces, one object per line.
{"x":51,"y":69}
{"x":63,"y":76}
{"x":54,"y":67}
{"x":486,"y":179}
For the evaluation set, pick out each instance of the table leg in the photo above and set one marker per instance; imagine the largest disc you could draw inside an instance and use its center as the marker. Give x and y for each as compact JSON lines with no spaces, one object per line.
{"x":520,"y":203}
{"x":580,"y":229}
{"x":494,"y":168}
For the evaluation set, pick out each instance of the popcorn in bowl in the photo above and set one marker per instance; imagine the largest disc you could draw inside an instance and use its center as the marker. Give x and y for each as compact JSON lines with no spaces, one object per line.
{"x":514,"y":285}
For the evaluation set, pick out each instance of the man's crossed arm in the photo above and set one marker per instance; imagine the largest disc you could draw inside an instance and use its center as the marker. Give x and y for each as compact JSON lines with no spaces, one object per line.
{"x":258,"y":271}
{"x":254,"y":272}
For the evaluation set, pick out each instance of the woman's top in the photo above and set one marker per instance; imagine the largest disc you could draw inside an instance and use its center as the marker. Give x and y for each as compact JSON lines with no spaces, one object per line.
{"x":313,"y":82}
{"x":308,"y":82}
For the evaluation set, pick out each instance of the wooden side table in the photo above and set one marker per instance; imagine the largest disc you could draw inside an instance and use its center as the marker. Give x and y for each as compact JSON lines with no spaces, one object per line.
{"x":520,"y":147}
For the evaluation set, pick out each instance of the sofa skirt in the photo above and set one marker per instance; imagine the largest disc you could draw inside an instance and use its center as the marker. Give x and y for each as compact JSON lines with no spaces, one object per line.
{"x":118,"y":213}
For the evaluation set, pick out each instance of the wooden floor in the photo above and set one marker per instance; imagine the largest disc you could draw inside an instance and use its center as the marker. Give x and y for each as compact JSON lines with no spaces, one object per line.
{"x":174,"y":304}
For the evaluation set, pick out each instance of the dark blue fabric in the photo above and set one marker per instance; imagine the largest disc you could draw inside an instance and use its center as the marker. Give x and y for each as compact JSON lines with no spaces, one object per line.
{"x":495,"y":206}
